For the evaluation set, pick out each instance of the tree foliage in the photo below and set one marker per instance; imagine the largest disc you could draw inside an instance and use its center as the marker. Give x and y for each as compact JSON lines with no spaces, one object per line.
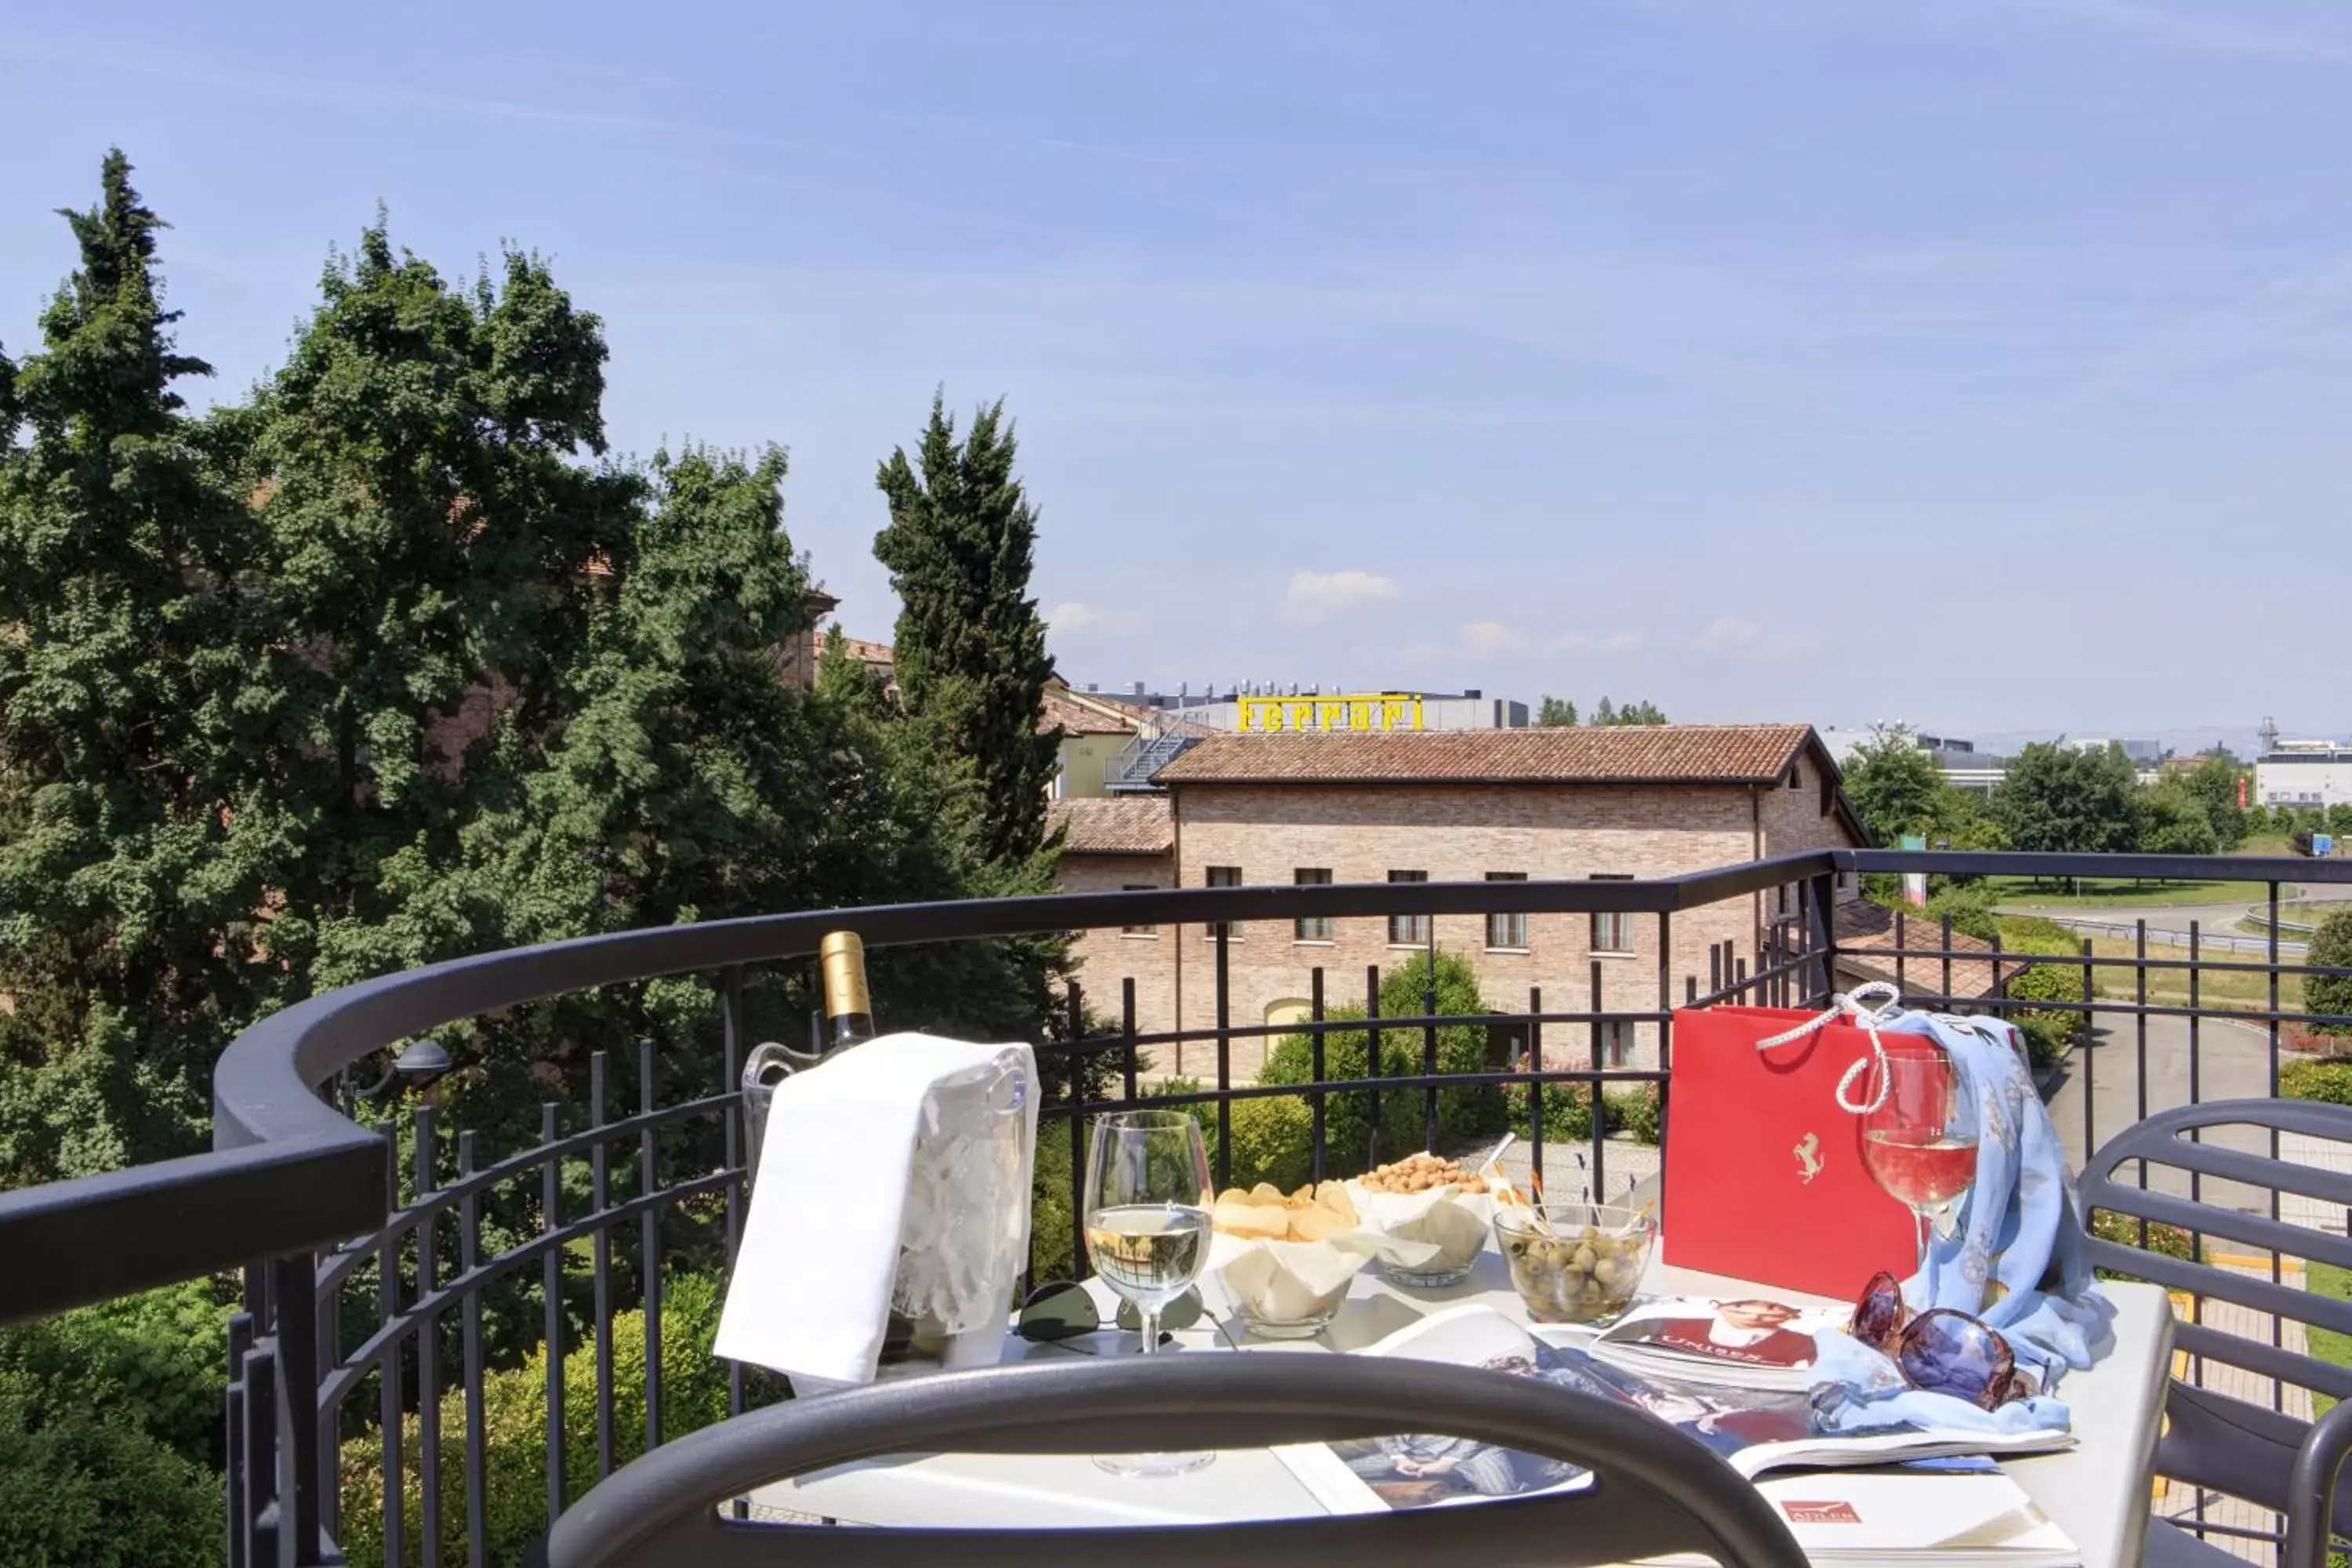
{"x":1607,"y":712}
{"x":2174,"y":821}
{"x":2214,"y":784}
{"x":2059,"y":799}
{"x":970,"y":649}
{"x":2331,"y":948}
{"x":1894,"y":787}
{"x":130,"y":862}
{"x":1555,"y":714}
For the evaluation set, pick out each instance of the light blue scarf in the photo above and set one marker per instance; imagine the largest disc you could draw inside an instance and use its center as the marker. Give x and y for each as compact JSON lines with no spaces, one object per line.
{"x":2014,"y":1257}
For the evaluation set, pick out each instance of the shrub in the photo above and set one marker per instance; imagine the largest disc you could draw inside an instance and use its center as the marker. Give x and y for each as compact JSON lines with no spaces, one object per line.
{"x":2048,"y":1031}
{"x":1970,"y":908}
{"x":83,"y":1483}
{"x":1274,"y":1140}
{"x":514,"y":1427}
{"x":2329,"y":1078}
{"x":160,"y":1355}
{"x":2167,"y":1240}
{"x":1052,"y":1181}
{"x":1567,"y":1111}
{"x":2331,"y":946}
{"x":1639,"y":1112}
{"x":1463,"y":1115}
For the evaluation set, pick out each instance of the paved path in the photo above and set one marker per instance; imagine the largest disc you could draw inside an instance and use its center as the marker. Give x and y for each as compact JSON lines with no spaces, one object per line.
{"x":2230,"y":1061}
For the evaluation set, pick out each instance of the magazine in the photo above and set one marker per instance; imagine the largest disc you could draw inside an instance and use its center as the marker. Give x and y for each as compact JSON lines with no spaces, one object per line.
{"x":1755,"y":1430}
{"x":1750,"y":1343}
{"x":1972,"y":1519}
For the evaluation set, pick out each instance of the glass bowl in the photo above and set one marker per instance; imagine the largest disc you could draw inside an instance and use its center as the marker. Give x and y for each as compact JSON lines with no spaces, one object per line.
{"x":1575,"y":1263}
{"x":1306,"y":1327}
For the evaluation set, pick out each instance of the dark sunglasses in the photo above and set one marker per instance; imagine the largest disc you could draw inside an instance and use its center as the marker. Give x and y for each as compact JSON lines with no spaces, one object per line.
{"x":1061,"y":1310}
{"x":1940,"y":1350}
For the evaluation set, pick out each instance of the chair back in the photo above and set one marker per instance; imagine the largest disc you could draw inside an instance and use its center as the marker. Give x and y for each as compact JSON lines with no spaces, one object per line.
{"x":1654,"y":1490}
{"x":2169,"y":1170}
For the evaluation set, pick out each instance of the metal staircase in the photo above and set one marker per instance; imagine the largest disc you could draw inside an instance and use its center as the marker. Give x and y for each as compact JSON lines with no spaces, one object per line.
{"x":1129,"y":772}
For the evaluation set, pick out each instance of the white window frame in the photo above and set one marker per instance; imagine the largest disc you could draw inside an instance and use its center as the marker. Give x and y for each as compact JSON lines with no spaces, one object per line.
{"x":1515,"y":922}
{"x":1312,"y":931}
{"x":1613,"y":932}
{"x":1416,"y":928}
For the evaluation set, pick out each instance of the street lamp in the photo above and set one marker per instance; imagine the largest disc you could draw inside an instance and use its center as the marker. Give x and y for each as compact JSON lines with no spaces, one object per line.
{"x":416,"y":1069}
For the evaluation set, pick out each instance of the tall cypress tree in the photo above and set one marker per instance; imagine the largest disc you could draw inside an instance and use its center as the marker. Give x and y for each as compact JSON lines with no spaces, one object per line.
{"x":970,"y":647}
{"x":130,"y":864}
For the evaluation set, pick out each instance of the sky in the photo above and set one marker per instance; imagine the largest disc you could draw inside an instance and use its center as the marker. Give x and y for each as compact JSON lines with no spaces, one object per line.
{"x":1982,"y":364}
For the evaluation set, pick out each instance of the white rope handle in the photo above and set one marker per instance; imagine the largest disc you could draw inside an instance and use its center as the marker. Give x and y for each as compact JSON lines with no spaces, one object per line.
{"x":1886,"y":1007}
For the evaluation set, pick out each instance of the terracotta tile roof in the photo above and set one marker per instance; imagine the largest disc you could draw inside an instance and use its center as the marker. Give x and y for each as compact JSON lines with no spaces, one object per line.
{"x":863,"y":650}
{"x":1114,"y":825}
{"x":1639,"y":753}
{"x":1865,"y":938}
{"x":1059,"y":711}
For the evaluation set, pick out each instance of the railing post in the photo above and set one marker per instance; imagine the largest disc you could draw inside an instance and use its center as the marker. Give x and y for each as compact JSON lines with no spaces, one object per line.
{"x":1372,"y":1062}
{"x":293,"y":1287}
{"x":1224,"y":1057}
{"x":1314,"y":1050}
{"x":649,"y":1240}
{"x":1597,"y":1128}
{"x":1823,"y":936}
{"x":1534,"y":1084}
{"x":731,"y":1067}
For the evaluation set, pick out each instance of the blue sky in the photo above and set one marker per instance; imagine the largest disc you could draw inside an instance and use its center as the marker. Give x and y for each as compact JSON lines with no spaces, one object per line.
{"x":1985,"y":363}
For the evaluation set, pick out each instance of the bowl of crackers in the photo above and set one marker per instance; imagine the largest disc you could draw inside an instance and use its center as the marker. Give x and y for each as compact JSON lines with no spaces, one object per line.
{"x":1287,"y":1259}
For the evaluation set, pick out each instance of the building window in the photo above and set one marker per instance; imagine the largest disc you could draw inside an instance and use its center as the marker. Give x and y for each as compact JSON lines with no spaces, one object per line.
{"x":1138,"y":930}
{"x":1796,"y":776}
{"x":1617,"y":1044}
{"x":1613,"y":932}
{"x":1312,"y":928}
{"x":1407,"y":931}
{"x":1508,"y":931}
{"x":1222,"y":877}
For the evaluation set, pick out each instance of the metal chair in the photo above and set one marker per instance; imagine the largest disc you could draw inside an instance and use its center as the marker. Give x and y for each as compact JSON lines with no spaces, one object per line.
{"x":1654,"y":1492}
{"x":2215,"y":1440}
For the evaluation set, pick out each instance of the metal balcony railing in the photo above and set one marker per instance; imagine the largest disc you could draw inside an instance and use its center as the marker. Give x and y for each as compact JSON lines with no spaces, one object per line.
{"x":388,"y":1270}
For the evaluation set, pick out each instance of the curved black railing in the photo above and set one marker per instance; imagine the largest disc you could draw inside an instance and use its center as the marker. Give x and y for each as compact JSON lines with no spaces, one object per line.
{"x":323,"y":1214}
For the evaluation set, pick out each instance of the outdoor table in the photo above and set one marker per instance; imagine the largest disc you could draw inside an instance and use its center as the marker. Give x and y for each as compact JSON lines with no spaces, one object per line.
{"x":2097,"y":1492}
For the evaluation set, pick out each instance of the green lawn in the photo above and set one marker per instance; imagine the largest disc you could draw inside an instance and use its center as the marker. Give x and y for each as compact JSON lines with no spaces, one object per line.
{"x":2326,"y":1343}
{"x":2021,"y":892}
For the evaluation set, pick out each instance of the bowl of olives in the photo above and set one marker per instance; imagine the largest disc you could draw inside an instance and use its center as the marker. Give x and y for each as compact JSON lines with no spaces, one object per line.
{"x":1575,"y":1263}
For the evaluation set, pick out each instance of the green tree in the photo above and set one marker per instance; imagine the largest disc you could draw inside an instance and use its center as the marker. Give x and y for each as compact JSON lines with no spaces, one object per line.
{"x":1604,"y":711}
{"x":1895,"y":787}
{"x":1641,"y":713}
{"x":970,"y":647}
{"x":2174,"y":821}
{"x":2331,"y":948}
{"x":2059,"y":799}
{"x":1555,"y":714}
{"x":131,"y":861}
{"x":2214,"y":784}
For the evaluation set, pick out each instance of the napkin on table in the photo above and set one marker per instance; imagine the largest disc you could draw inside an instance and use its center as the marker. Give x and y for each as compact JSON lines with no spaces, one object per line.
{"x":810,"y":1295}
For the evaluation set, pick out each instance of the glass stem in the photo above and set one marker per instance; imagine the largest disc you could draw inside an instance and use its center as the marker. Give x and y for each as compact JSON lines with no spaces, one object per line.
{"x":1925,"y":1223}
{"x":1150,"y":1316}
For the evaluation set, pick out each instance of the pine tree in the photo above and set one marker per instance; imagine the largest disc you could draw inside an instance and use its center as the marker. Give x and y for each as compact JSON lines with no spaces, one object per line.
{"x":130,"y":864}
{"x":433,"y":554}
{"x":970,"y":647}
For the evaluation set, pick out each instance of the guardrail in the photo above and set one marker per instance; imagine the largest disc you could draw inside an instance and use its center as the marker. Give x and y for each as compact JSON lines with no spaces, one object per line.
{"x":321,"y":1216}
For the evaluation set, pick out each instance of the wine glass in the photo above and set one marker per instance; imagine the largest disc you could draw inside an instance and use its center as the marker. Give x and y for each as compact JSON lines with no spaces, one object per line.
{"x":1919,"y":1142}
{"x":1147,"y":1221}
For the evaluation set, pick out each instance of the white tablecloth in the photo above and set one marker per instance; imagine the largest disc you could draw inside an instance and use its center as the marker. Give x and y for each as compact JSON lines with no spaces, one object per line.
{"x":2097,"y":1492}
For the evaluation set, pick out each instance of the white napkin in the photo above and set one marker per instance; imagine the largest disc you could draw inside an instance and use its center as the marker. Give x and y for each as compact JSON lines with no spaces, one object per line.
{"x":810,"y":1295}
{"x":1289,"y":1281}
{"x":1446,"y":1226}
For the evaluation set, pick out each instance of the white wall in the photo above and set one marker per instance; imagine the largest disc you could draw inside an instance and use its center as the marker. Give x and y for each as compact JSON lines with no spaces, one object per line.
{"x":2296,"y":783}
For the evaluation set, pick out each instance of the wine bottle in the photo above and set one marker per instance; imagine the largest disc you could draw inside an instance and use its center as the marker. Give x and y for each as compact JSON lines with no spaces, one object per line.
{"x":848,"y":1009}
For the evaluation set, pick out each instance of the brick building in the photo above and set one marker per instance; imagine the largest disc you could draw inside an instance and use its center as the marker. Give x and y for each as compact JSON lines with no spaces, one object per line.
{"x":1461,"y":806}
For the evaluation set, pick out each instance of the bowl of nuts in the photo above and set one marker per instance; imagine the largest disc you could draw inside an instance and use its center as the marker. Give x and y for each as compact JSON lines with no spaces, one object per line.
{"x":1432,"y":1215}
{"x":1575,"y":1263}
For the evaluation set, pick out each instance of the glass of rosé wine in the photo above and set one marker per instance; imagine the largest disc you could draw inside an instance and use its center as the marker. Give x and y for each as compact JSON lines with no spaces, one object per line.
{"x":1919,"y":1141}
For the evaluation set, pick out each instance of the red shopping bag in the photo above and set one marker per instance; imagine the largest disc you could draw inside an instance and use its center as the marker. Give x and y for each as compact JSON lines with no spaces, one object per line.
{"x":1764,"y":1177}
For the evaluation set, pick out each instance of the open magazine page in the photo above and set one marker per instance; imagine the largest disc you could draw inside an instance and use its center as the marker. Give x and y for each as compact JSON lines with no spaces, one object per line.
{"x":1956,"y":1521}
{"x":1386,"y":1474}
{"x":1753,"y":1430}
{"x":1753,"y":1343}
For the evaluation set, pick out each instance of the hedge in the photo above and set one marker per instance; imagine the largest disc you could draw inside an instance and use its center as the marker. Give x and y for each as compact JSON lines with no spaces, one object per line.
{"x":2331,"y":948}
{"x":2048,"y":1031}
{"x":2327,"y":1078}
{"x":514,"y":1423}
{"x":83,"y":1483}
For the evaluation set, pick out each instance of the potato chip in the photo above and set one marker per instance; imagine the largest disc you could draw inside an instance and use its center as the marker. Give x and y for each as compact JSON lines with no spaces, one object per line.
{"x":1266,"y":1193}
{"x":1314,"y":1224}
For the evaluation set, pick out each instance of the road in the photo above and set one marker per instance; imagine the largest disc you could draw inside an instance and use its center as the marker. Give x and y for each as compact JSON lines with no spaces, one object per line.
{"x":2230,"y":1061}
{"x":2166,"y":924}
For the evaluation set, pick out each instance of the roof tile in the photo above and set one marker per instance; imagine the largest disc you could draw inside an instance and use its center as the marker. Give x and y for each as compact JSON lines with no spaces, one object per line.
{"x":1631,"y":753}
{"x":1114,"y":825}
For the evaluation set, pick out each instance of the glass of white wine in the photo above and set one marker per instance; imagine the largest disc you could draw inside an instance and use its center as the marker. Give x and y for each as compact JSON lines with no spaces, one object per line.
{"x":1147,"y":1218}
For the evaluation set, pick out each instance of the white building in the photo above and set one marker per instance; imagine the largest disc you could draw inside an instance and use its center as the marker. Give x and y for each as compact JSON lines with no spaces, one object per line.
{"x":2302,"y":773}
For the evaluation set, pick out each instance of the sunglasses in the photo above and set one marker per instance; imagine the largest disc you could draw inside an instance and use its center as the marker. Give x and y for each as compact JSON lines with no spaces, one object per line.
{"x":1062,"y":1310}
{"x":1939,"y":1350}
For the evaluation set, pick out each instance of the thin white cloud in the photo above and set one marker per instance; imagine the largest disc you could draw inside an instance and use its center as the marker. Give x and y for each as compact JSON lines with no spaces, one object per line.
{"x":1597,"y":642}
{"x":1491,"y":637}
{"x":1319,"y":596}
{"x":1739,"y":636}
{"x":1073,"y":616}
